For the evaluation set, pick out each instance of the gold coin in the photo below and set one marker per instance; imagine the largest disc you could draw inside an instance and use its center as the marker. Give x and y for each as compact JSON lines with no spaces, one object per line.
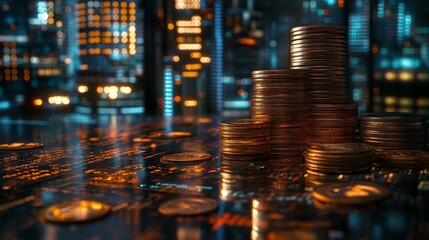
{"x":186,"y":157}
{"x":174,"y":134}
{"x":75,"y":211}
{"x":20,"y":146}
{"x":189,"y":206}
{"x":358,"y":193}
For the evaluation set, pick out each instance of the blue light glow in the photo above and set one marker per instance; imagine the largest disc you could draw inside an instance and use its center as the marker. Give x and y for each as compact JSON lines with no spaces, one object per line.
{"x":217,"y":66}
{"x":401,"y":23}
{"x":380,"y":9}
{"x":408,"y":21}
{"x":168,"y":91}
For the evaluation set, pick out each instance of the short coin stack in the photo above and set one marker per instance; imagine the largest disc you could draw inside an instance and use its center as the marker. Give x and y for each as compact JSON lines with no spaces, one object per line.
{"x":323,"y":52}
{"x":403,"y":159}
{"x":393,"y":131}
{"x":244,"y":137}
{"x":240,"y":179}
{"x":331,"y":123}
{"x":341,"y":158}
{"x":280,"y":96}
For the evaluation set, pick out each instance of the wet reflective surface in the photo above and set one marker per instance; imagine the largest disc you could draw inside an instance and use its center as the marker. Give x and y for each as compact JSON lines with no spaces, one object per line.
{"x":116,"y":160}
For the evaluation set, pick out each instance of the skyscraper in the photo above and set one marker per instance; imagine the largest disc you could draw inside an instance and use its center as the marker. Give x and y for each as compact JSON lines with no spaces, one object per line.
{"x":399,"y":51}
{"x":110,"y":53}
{"x":186,"y":73}
{"x":31,"y":41}
{"x":14,"y":54}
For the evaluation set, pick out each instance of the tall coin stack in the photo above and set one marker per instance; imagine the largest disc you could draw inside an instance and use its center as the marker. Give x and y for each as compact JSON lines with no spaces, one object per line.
{"x":331,"y":123}
{"x":279,"y":96}
{"x":393,"y":131}
{"x":323,"y":52}
{"x":244,"y":147}
{"x":244,"y":138}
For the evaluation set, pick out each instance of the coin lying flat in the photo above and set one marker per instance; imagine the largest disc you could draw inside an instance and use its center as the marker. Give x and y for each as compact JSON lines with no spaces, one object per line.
{"x":359,"y":193}
{"x":75,"y":211}
{"x":20,"y":146}
{"x":338,"y":158}
{"x":397,"y":131}
{"x":189,"y":206}
{"x":186,"y":157}
{"x":403,"y":159}
{"x":174,"y":134}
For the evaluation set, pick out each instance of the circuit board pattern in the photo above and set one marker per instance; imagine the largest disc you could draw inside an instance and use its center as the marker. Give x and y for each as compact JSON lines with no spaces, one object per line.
{"x":99,"y":159}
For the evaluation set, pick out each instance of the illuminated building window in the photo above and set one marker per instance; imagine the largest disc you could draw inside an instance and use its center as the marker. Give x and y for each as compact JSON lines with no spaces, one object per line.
{"x":406,"y":102}
{"x":189,"y":46}
{"x":390,"y":76}
{"x":187,"y":4}
{"x":195,"y":55}
{"x":422,"y":76}
{"x":389,"y":100}
{"x":190,"y":74}
{"x":177,"y":99}
{"x":190,"y":103}
{"x":406,"y":76}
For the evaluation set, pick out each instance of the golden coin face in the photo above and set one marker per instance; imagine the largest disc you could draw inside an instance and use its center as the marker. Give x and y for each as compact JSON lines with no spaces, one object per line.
{"x":339,"y":148}
{"x":187,"y":157}
{"x":174,"y":134}
{"x":75,"y":211}
{"x":20,"y":146}
{"x":351,"y":193}
{"x":188,"y":206}
{"x":141,"y":140}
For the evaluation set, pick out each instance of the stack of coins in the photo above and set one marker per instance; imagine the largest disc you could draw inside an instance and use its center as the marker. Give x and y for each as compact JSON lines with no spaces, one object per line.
{"x":241,"y":179}
{"x":403,"y":159}
{"x":341,"y":158}
{"x":245,"y":137}
{"x":281,"y":219}
{"x":323,"y":52}
{"x":331,"y":123}
{"x":280,"y":96}
{"x":393,"y":131}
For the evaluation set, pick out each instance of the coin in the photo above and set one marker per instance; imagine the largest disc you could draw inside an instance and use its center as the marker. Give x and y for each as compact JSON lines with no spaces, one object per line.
{"x":75,"y":211}
{"x":392,"y":116}
{"x":403,"y":159}
{"x":20,"y":146}
{"x":172,"y":135}
{"x":358,"y":193}
{"x":188,"y":206}
{"x":244,"y":123}
{"x":186,"y":157}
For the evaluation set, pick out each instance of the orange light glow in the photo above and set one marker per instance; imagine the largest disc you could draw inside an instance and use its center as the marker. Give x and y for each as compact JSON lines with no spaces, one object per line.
{"x":196,"y":66}
{"x":189,"y":46}
{"x":190,"y":103}
{"x":195,"y":54}
{"x":190,"y":74}
{"x":205,"y":60}
{"x":38,"y":102}
{"x":247,"y":41}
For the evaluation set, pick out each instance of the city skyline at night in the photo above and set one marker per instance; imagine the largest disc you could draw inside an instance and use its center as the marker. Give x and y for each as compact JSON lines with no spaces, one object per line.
{"x":89,"y":55}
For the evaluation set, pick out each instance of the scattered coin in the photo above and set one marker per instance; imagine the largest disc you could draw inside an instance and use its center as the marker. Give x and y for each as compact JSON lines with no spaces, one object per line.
{"x":189,"y":206}
{"x":174,"y":134}
{"x":186,"y":157}
{"x":75,"y":211}
{"x":348,"y":193}
{"x":20,"y":146}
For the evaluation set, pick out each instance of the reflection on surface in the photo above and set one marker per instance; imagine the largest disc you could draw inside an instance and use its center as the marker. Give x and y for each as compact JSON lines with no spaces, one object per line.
{"x":100,"y":159}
